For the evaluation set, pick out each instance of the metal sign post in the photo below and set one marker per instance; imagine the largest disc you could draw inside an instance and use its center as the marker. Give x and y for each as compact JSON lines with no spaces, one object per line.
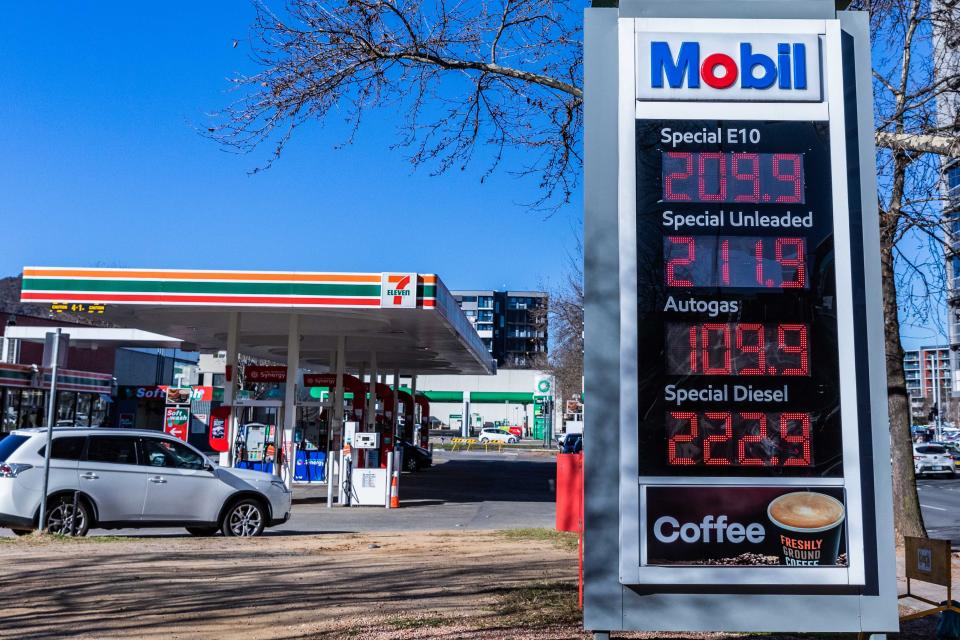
{"x":734,"y":335}
{"x":52,"y":348}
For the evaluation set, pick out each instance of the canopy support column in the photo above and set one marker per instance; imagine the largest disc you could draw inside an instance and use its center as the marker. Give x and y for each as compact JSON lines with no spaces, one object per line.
{"x":337,"y":413}
{"x":230,"y":390}
{"x":416,"y":426}
{"x":290,"y":401}
{"x":396,"y":406}
{"x":372,"y":398}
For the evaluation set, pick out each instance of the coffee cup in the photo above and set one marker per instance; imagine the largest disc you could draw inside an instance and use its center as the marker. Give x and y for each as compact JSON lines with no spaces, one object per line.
{"x":807,"y":524}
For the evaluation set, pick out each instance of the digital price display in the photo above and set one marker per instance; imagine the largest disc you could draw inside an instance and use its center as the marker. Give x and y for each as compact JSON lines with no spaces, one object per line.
{"x":736,"y":301}
{"x":733,"y":177}
{"x":735,"y":261}
{"x":737,"y":349}
{"x":738,"y":438}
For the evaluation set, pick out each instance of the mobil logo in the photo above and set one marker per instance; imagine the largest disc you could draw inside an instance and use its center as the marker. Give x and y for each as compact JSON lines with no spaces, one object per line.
{"x":721,"y":71}
{"x":729,"y":67}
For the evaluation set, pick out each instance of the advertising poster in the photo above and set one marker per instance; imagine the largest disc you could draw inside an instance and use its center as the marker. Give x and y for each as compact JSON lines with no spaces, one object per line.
{"x":176,"y":421}
{"x":745,"y":526}
{"x":218,"y":429}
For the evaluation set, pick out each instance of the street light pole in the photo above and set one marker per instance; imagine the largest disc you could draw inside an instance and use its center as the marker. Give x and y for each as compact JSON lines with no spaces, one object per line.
{"x":51,"y":414}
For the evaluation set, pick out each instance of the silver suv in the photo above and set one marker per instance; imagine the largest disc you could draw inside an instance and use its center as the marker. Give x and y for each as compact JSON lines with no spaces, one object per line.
{"x":114,"y":478}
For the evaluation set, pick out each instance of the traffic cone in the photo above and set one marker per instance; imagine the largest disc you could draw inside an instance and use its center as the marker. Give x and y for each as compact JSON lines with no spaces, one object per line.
{"x":395,"y":491}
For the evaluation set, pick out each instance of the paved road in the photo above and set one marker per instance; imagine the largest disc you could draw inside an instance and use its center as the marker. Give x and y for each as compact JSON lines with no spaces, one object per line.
{"x":469,"y":491}
{"x":940,"y":501}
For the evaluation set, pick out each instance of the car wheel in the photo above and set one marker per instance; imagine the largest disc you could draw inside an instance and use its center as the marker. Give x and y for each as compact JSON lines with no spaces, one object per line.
{"x":245,"y":519}
{"x":60,"y":517}
{"x":202,"y":532}
{"x":484,"y":440}
{"x":410,"y":464}
{"x":21,"y":532}
{"x":512,"y":441}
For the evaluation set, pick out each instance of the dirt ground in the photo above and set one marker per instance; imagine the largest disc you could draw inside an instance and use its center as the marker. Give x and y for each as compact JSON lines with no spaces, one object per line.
{"x":471,"y":585}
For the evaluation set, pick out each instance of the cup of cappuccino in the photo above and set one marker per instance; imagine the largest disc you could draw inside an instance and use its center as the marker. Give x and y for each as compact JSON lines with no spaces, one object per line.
{"x":808,"y":528}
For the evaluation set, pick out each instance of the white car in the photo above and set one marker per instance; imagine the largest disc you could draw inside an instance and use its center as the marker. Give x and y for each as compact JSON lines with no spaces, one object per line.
{"x":931,"y":459}
{"x":487,"y":434}
{"x":129,"y":478}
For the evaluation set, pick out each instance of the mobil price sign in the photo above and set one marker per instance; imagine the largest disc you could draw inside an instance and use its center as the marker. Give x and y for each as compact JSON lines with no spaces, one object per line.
{"x":176,"y":421}
{"x":753,"y":481}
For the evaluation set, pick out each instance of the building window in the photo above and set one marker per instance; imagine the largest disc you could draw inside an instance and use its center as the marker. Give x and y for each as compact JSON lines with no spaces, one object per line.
{"x":466,"y":298}
{"x":485,"y":302}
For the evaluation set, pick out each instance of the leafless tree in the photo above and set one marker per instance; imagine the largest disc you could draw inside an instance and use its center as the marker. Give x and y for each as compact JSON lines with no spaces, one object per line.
{"x":915,"y":89}
{"x":505,"y":75}
{"x":501,"y":74}
{"x":565,"y":318}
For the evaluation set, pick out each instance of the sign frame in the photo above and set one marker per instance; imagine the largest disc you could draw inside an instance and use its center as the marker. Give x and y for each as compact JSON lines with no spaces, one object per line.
{"x":611,"y":603}
{"x":632,"y":550}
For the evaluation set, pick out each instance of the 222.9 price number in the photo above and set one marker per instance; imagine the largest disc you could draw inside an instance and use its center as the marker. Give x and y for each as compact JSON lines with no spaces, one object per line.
{"x":738,"y":438}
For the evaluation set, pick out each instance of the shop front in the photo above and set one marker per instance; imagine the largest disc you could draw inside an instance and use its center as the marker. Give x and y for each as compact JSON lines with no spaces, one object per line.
{"x":84,"y":398}
{"x":184,"y":412}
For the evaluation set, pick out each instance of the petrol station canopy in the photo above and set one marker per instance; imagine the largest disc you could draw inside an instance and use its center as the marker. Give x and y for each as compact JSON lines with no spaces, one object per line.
{"x":410,"y":321}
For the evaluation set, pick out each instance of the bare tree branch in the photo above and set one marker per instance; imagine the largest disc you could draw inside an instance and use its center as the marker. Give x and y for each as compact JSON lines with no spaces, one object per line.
{"x":502,"y":75}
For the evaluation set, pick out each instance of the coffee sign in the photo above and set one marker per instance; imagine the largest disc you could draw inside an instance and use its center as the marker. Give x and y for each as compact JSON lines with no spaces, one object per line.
{"x":745,"y":526}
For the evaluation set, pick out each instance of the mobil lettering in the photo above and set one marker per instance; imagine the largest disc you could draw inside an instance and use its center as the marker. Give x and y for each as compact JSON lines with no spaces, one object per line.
{"x":687,"y":64}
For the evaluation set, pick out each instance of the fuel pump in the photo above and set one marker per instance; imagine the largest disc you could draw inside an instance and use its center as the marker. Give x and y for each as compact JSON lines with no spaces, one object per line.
{"x":422,"y":428}
{"x":383,"y":425}
{"x":407,"y":417}
{"x":259,"y":442}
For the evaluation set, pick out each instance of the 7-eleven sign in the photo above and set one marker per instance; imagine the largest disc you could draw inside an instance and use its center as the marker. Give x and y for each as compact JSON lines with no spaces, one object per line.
{"x":398,"y":290}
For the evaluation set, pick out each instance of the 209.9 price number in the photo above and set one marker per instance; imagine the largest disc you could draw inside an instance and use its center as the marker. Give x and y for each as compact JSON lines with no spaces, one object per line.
{"x":739,"y":438}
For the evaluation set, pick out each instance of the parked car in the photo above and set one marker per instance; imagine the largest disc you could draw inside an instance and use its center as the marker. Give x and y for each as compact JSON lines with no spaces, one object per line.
{"x":572,"y":443}
{"x":131,"y":478}
{"x":414,"y":457}
{"x":933,"y":459}
{"x":952,"y":448}
{"x":490,"y":433}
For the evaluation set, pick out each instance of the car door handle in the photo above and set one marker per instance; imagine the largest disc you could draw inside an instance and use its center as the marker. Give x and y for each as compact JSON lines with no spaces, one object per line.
{"x":89,"y":476}
{"x":158,"y":480}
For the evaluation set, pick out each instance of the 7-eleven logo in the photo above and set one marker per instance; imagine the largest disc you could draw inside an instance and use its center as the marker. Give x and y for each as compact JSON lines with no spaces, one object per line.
{"x":399,"y":290}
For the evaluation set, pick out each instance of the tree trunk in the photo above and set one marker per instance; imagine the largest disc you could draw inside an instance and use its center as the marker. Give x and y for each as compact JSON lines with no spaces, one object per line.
{"x":908,"y":520}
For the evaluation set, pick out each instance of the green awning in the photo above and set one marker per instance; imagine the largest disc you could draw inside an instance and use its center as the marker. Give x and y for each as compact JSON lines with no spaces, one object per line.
{"x":444,"y":396}
{"x":501,"y":397}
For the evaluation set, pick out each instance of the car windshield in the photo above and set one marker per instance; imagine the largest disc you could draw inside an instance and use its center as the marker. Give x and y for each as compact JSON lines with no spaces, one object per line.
{"x":931,"y":449}
{"x":10,"y":444}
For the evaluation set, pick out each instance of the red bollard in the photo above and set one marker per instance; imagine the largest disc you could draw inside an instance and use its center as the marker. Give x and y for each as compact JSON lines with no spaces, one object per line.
{"x":569,"y":491}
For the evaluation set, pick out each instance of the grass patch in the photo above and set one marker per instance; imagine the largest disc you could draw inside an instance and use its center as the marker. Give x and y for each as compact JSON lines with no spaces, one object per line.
{"x":565,"y":540}
{"x":539,"y":604}
{"x":402,"y":623}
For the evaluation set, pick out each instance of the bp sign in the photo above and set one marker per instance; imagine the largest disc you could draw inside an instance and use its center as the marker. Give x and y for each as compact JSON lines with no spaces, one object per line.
{"x":748,"y":399}
{"x":543,"y":386}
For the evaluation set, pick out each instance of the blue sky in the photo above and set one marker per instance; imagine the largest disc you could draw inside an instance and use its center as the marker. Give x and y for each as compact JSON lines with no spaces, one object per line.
{"x":102,"y":166}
